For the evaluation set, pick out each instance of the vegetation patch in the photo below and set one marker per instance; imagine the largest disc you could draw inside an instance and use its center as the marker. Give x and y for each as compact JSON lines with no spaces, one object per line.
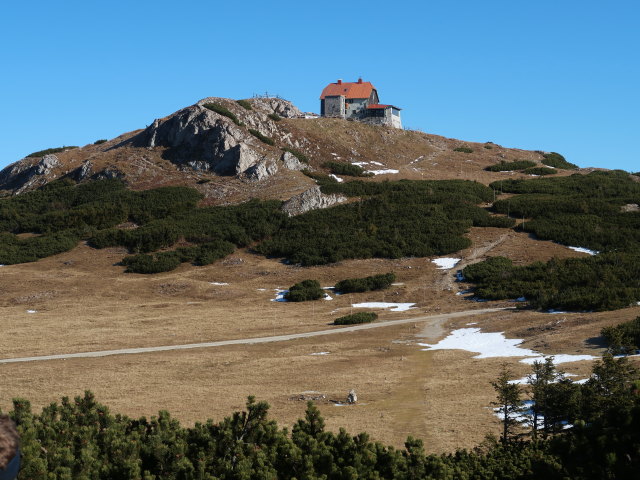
{"x":541,"y":171}
{"x":355,"y":318}
{"x":556,"y":160}
{"x":261,"y":137}
{"x":82,"y":436}
{"x":393,"y":220}
{"x":297,"y":153}
{"x":305,"y":290}
{"x":463,"y":149}
{"x":357,"y":285}
{"x":624,"y":338}
{"x":602,"y":282}
{"x":275,"y":117}
{"x":244,"y":104}
{"x":224,"y":111}
{"x":579,"y":210}
{"x":344,"y":168}
{"x":100,"y":142}
{"x":49,"y":151}
{"x":511,"y":166}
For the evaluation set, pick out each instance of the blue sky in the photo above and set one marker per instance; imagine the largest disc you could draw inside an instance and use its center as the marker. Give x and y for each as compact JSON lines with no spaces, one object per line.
{"x":549,"y":75}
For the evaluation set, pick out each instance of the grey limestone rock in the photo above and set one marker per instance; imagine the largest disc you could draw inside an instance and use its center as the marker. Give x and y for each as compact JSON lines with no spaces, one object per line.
{"x":291,"y":162}
{"x":261,"y":170}
{"x":311,"y":199}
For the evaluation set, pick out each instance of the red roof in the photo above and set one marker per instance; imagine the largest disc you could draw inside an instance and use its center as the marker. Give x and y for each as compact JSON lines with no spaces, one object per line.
{"x":357,"y":89}
{"x":374,"y":106}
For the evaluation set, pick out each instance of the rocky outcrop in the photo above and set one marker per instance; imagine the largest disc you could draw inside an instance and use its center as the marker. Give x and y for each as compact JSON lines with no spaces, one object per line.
{"x":201,"y":139}
{"x":290,"y":162}
{"x":25,"y":174}
{"x":282,"y":108}
{"x":311,"y":199}
{"x":261,"y":170}
{"x":83,"y":172}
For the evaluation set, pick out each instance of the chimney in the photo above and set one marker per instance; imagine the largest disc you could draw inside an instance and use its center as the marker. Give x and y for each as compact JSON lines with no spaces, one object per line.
{"x":339,"y":81}
{"x":360,"y":80}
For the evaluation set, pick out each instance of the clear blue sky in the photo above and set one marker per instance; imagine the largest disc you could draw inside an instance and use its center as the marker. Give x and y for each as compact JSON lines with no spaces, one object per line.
{"x":548,"y":75}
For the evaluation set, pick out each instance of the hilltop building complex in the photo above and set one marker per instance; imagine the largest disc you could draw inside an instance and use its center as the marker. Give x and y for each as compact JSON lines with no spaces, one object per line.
{"x":357,"y":101}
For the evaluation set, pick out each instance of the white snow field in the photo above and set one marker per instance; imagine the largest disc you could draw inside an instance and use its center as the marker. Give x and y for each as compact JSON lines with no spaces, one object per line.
{"x":218,"y":283}
{"x":336,"y":178}
{"x":495,"y":344}
{"x":445,"y":263}
{"x":394,"y":307}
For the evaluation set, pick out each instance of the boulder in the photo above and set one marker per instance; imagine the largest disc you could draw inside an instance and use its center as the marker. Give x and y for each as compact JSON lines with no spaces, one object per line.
{"x":311,"y":199}
{"x":261,"y":170}
{"x":292,"y":163}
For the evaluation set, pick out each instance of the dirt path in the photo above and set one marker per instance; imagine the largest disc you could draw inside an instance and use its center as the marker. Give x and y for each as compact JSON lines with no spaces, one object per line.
{"x":447,"y":281}
{"x":248,"y":341}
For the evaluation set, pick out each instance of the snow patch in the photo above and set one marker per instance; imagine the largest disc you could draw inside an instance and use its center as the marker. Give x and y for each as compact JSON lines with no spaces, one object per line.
{"x":218,"y":283}
{"x":32,"y":311}
{"x":320,"y":353}
{"x":560,"y":358}
{"x":337,"y":178}
{"x":486,"y":344}
{"x":584,"y":250}
{"x":394,"y":307}
{"x":280,"y":295}
{"x":445,"y":263}
{"x":495,"y":344}
{"x":383,"y":172}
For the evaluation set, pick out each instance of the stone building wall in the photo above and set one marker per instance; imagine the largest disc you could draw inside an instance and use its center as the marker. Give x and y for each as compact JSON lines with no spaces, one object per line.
{"x":334,"y":106}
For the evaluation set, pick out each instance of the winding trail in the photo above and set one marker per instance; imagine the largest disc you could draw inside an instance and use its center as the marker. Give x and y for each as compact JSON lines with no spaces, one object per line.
{"x":249,"y":341}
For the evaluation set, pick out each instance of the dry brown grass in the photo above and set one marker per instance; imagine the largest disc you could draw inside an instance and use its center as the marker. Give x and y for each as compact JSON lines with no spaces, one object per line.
{"x":85,"y":302}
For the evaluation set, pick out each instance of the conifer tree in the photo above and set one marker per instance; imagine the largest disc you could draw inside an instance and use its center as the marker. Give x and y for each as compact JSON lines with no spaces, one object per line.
{"x":508,"y":402}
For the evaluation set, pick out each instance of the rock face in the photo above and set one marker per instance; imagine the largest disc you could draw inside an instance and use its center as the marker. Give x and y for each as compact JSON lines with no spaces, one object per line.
{"x":290,"y":162}
{"x":201,"y":139}
{"x":261,"y":170}
{"x":279,"y":106}
{"x":24,"y":174}
{"x":311,"y":199}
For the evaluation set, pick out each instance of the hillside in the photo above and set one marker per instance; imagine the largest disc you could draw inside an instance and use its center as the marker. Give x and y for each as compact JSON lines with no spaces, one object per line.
{"x":204,"y":149}
{"x":184,"y":234}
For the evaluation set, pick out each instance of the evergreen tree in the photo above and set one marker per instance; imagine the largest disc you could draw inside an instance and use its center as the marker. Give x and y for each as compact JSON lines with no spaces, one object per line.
{"x":508,"y":401}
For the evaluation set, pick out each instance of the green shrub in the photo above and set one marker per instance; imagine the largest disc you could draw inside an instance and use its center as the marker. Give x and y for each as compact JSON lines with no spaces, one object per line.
{"x":393,"y":220}
{"x":607,"y":281}
{"x":100,"y":142}
{"x":463,"y":149}
{"x":540,"y":171}
{"x":321,"y":178}
{"x":296,"y":153}
{"x":556,"y":160}
{"x":343,"y":168}
{"x":510,"y":166}
{"x":488,"y":147}
{"x":375,"y":282}
{"x":580,"y":210}
{"x":49,"y":151}
{"x":275,"y":117}
{"x":221,"y":110}
{"x":244,"y":104}
{"x":355,"y":318}
{"x":305,"y":290}
{"x":623,"y":338}
{"x":261,"y":137}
